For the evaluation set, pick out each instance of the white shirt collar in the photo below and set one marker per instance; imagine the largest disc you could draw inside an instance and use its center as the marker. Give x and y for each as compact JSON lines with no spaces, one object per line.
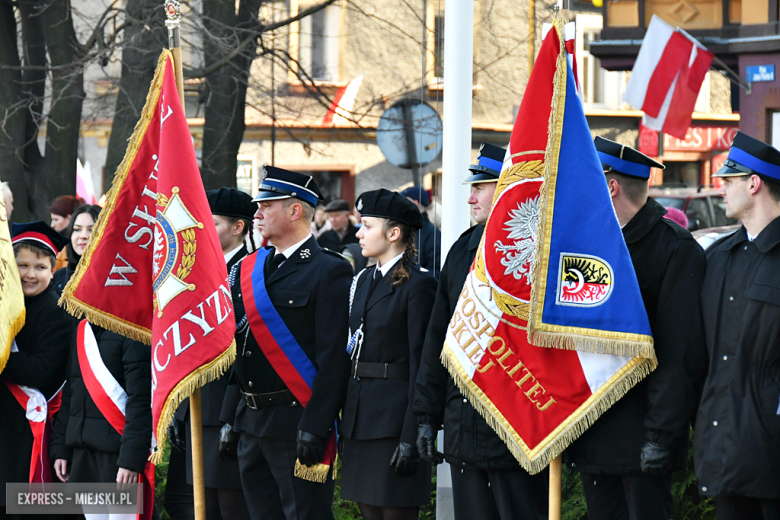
{"x":751,"y":237}
{"x":290,"y":250}
{"x":389,"y":265}
{"x":230,"y":254}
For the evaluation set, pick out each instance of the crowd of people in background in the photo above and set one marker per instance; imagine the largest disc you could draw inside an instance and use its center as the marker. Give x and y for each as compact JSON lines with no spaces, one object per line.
{"x":364,"y":297}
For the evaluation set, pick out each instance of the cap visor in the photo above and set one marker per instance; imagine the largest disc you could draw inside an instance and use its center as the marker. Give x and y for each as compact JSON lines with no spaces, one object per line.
{"x":480,"y":177}
{"x":728,"y":171}
{"x":269,"y":195}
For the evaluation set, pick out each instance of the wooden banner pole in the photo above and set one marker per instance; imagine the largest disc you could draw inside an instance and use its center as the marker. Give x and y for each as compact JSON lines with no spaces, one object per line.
{"x":173,"y":11}
{"x":555,"y":488}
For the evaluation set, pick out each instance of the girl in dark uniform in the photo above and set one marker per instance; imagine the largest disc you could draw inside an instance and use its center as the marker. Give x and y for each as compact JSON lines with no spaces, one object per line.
{"x":390,"y":306}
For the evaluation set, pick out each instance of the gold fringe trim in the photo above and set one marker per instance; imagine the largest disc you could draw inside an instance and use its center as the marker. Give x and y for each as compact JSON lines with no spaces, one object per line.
{"x":71,"y":304}
{"x":13,"y":329}
{"x":534,"y":461}
{"x":199,"y":377}
{"x":556,"y":336}
{"x":317,"y":473}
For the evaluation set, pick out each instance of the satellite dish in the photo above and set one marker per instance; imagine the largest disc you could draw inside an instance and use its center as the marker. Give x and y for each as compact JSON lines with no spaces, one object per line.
{"x":410,"y":134}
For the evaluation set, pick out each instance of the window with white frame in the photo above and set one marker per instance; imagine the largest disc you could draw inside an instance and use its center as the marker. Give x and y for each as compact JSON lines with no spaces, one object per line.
{"x":318,"y":51}
{"x":600,"y":88}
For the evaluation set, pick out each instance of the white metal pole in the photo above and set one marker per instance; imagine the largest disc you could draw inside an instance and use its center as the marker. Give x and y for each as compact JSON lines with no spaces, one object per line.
{"x":456,"y":157}
{"x":456,"y":153}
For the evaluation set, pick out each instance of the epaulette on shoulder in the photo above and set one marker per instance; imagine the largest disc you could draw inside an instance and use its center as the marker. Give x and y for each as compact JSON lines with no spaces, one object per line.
{"x":679,"y":231}
{"x":339,"y":255}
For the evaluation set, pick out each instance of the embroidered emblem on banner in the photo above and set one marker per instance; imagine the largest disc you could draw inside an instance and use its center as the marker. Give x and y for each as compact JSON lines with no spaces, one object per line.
{"x":518,"y":257}
{"x":174,"y":249}
{"x":583,"y":281}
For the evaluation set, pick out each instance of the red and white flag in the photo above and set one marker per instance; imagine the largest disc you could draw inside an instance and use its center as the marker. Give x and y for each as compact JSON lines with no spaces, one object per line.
{"x":667,"y":77}
{"x":343,"y":103}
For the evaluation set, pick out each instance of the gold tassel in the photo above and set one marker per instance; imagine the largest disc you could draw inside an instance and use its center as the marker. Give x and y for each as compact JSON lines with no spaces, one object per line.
{"x":317,"y":473}
{"x":13,"y":330}
{"x":199,"y":377}
{"x":534,"y":461}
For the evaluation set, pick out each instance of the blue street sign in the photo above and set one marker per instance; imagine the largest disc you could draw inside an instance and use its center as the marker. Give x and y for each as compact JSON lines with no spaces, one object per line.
{"x":758,"y":73}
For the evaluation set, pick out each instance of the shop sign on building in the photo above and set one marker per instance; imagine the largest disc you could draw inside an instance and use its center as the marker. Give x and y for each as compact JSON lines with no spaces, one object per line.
{"x":701,"y":139}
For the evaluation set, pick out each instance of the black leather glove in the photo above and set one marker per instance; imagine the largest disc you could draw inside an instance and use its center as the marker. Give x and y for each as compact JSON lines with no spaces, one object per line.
{"x":656,"y":459}
{"x":426,"y":443}
{"x":406,"y":459}
{"x":311,"y":448}
{"x":228,"y":443}
{"x":176,"y":435}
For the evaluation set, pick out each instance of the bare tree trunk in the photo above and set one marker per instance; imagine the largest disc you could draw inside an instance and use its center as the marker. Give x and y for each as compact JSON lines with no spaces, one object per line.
{"x":225,"y":89}
{"x":64,"y":121}
{"x":139,"y":59}
{"x":35,"y":179}
{"x":12,"y":113}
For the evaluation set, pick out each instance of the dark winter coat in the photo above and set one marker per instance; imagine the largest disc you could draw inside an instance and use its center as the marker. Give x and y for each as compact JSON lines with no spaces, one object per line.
{"x":394,"y":320}
{"x":40,"y":363}
{"x":310,"y":291}
{"x":670,"y":268}
{"x":428,"y":243}
{"x":218,"y":474}
{"x":332,"y":241}
{"x":469,"y":442}
{"x":737,"y":434}
{"x":79,"y":423}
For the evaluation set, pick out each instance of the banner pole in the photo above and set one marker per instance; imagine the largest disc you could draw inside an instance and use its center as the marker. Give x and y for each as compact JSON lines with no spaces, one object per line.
{"x":173,"y":12}
{"x":555,"y":488}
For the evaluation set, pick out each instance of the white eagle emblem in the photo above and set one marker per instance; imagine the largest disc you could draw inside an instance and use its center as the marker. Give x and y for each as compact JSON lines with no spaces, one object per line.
{"x":522,"y":226}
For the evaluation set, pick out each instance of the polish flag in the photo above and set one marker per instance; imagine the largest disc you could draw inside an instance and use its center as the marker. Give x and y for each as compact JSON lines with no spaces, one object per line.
{"x":343,"y":103}
{"x":667,"y":77}
{"x":85,"y":190}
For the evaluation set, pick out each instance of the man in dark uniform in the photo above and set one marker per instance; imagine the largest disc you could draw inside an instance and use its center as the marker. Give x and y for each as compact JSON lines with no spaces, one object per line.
{"x":627,"y":457}
{"x":343,"y":231}
{"x":428,"y":240}
{"x":737,"y":434}
{"x":232,"y":211}
{"x":309,"y":290}
{"x":487,"y":481}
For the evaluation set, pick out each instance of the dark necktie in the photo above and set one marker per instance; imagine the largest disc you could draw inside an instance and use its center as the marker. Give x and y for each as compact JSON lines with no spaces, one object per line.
{"x":375,"y":282}
{"x":275,"y":262}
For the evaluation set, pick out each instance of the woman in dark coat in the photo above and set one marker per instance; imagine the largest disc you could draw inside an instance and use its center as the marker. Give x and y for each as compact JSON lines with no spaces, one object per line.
{"x":84,"y":446}
{"x":79,"y":231}
{"x":392,"y":301}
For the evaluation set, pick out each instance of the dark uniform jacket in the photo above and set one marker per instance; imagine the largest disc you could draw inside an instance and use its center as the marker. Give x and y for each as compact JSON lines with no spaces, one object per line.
{"x":670,"y":267}
{"x":469,"y":442}
{"x":40,"y":363}
{"x":428,"y":242}
{"x":331,"y":240}
{"x":310,"y":291}
{"x":394,"y":320}
{"x":737,"y":434}
{"x":79,"y":423}
{"x":218,"y":474}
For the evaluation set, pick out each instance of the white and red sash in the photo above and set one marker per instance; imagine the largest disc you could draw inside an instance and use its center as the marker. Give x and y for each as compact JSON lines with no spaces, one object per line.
{"x":39,"y":412}
{"x":110,"y":398}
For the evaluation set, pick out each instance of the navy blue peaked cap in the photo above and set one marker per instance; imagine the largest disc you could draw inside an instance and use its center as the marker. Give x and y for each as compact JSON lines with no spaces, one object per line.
{"x":384,"y":203}
{"x":282,"y":184}
{"x":750,"y":156}
{"x":489,"y":163}
{"x":619,"y":158}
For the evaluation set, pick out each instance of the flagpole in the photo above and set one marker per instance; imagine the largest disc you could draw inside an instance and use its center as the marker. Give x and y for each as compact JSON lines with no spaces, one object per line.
{"x":555,"y":488}
{"x":173,"y":11}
